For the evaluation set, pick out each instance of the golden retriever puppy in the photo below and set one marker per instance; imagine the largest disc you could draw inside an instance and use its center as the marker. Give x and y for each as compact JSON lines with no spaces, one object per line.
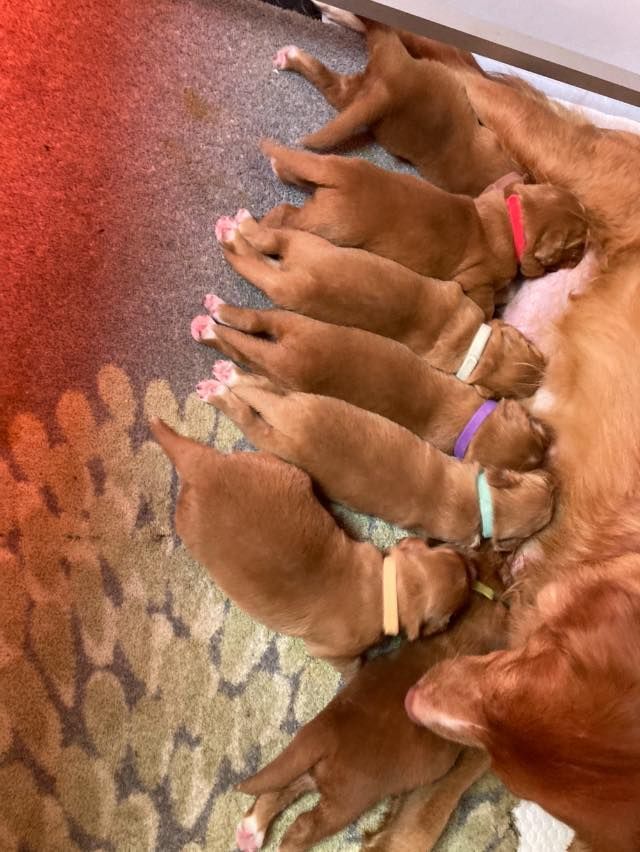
{"x":255,"y":524}
{"x":363,"y":747}
{"x":480,"y":243}
{"x":378,"y":467}
{"x":416,"y":108}
{"x":345,"y":286}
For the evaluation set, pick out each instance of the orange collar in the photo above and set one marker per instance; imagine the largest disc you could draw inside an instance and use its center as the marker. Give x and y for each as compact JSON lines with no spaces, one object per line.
{"x":514,"y":209}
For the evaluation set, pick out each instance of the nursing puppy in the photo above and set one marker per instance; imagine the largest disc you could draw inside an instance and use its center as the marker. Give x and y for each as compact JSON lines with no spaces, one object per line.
{"x":346,"y":286}
{"x":415,"y":108}
{"x":363,"y":747}
{"x":480,"y":243}
{"x":255,"y":524}
{"x":376,"y":374}
{"x":380,"y":468}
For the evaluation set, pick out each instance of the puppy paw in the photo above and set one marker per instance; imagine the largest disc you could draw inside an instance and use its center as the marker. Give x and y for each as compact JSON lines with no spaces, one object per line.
{"x":225,"y":229}
{"x":225,"y":372}
{"x":203,"y":328}
{"x":211,"y":303}
{"x":248,"y":838}
{"x":285,"y":56}
{"x":242,"y":215}
{"x":209,"y":389}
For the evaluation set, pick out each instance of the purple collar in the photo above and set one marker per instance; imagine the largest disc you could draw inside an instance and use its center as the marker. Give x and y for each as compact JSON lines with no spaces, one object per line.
{"x":473,"y":424}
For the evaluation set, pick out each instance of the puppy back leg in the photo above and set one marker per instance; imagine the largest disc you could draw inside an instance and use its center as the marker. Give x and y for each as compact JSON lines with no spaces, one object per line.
{"x":302,"y":168}
{"x":422,"y":816}
{"x":338,"y":89}
{"x":253,"y":828}
{"x":236,"y":338}
{"x":365,"y":110}
{"x":328,"y":817}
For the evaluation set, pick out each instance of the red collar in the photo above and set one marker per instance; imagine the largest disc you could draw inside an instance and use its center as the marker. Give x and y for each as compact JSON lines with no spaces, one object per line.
{"x":514,"y":209}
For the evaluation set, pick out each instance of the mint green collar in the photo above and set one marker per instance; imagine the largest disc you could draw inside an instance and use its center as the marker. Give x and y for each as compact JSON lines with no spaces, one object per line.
{"x":486,"y":504}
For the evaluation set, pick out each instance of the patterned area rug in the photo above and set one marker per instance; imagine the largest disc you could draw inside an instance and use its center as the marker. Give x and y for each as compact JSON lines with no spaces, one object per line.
{"x":132,"y":694}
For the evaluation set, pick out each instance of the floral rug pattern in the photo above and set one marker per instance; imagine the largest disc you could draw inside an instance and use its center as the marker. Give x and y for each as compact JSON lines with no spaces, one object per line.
{"x":132,"y":694}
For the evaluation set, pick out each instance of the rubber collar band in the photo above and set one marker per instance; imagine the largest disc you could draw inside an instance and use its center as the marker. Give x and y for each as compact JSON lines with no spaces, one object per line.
{"x":485,"y":503}
{"x":474,"y":352}
{"x":473,"y":424}
{"x":514,"y":209}
{"x":484,"y":590}
{"x":390,"y":619}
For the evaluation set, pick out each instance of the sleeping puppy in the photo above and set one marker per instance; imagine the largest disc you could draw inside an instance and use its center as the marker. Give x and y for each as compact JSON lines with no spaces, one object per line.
{"x":363,"y":747}
{"x":378,"y":467}
{"x":376,"y":374}
{"x":480,"y":243}
{"x":255,"y":524}
{"x":415,"y":108}
{"x":346,"y":286}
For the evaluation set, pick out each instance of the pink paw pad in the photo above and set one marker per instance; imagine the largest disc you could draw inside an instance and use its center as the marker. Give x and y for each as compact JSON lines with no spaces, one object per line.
{"x":248,"y":838}
{"x":283,"y":57}
{"x":225,"y":229}
{"x":242,"y":215}
{"x":211,"y":303}
{"x":209,"y":388}
{"x":203,"y":328}
{"x":225,"y":372}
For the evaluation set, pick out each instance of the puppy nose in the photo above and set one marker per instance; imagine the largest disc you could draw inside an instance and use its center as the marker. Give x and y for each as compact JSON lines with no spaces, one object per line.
{"x":409,"y":704}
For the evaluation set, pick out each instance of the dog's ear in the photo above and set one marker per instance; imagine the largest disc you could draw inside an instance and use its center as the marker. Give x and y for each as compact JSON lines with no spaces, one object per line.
{"x":553,"y":246}
{"x":500,"y":477}
{"x":449,"y":700}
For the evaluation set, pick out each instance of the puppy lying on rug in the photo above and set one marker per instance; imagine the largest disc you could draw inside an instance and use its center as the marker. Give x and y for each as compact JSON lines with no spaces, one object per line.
{"x":292,"y":568}
{"x":415,"y":108}
{"x":348,"y":286}
{"x":480,"y":243}
{"x":363,"y":747}
{"x":376,"y":374}
{"x":375,"y":466}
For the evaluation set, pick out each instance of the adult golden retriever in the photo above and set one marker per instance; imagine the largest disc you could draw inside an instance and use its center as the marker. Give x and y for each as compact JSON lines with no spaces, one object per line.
{"x":559,"y":713}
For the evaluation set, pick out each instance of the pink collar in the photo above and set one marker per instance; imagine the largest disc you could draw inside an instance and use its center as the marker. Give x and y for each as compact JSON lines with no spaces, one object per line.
{"x":514,"y":209}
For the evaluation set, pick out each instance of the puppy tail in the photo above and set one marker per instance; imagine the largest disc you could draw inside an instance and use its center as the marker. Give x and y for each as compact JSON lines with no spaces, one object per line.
{"x":300,"y":756}
{"x":361,"y":113}
{"x":183,"y":452}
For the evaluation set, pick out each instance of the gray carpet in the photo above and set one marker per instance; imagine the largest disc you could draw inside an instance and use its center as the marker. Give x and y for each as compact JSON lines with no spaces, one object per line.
{"x":132,"y":695}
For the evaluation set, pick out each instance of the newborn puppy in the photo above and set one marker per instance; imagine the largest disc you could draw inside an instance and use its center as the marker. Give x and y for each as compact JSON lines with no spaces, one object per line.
{"x":477,"y":242}
{"x":415,"y":108}
{"x":380,"y":468}
{"x":255,"y":524}
{"x":363,"y":747}
{"x":348,"y":286}
{"x":377,"y":374}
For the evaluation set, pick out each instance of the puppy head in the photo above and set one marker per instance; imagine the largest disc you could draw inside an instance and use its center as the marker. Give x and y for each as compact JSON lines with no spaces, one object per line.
{"x":558,"y":716}
{"x":509,"y":438}
{"x":511,"y":365}
{"x":433,"y":584}
{"x":522,"y":505}
{"x":555,"y":228}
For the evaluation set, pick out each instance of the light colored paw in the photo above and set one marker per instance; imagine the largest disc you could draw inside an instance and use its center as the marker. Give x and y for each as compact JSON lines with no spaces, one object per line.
{"x":283,"y":57}
{"x":225,"y":229}
{"x":225,"y":372}
{"x":211,"y":303}
{"x":203,"y":328}
{"x":248,"y":838}
{"x":209,"y":389}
